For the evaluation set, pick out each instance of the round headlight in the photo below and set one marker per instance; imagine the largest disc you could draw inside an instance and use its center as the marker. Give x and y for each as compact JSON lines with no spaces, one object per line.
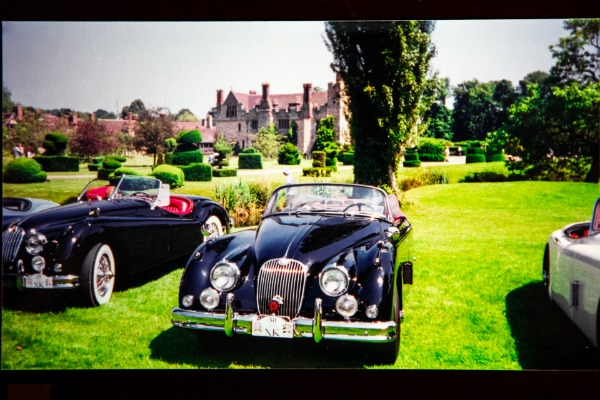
{"x":38,"y":263}
{"x":334,"y":280}
{"x":209,"y":298}
{"x":346,"y":306}
{"x":224,"y":276}
{"x":35,"y":243}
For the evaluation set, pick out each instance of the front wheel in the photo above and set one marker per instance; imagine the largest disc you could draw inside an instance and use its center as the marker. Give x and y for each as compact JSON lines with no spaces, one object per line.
{"x":98,"y":275}
{"x":212,"y":227}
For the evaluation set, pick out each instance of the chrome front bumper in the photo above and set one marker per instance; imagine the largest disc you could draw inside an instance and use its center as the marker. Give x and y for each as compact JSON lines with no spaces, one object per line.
{"x":58,"y":281}
{"x":315,"y":328}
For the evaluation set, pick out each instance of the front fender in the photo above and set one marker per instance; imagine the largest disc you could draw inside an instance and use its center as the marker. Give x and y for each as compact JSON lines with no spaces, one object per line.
{"x":236,"y":248}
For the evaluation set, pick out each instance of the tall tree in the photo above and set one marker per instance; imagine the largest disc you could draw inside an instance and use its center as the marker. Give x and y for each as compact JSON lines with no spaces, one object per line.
{"x":578,"y":60}
{"x":438,"y":117}
{"x":154,"y":127}
{"x":7,"y":103}
{"x":384,"y":67}
{"x":136,"y":107}
{"x":185,"y":115}
{"x":103,"y":114}
{"x":268,"y":141}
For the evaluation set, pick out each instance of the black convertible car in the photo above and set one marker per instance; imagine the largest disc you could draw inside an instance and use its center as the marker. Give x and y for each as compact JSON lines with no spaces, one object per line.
{"x":109,"y":231}
{"x":328,"y":261}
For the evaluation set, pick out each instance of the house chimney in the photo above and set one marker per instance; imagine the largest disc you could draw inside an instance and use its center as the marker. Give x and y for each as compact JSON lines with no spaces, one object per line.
{"x":219,"y":97}
{"x":265,"y":92}
{"x":19,"y":111}
{"x":307,"y":90}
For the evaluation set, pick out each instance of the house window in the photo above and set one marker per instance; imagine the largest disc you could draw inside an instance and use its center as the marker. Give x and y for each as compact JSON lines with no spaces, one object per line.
{"x":284,"y":124}
{"x":239,"y":127}
{"x":231,"y":111}
{"x":254,"y":124}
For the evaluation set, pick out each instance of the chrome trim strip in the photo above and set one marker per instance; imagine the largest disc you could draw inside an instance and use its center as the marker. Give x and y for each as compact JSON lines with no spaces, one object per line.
{"x":384,"y":331}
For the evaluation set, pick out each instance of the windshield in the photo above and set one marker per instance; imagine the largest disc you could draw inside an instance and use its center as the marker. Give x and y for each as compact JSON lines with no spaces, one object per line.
{"x":328,"y":198}
{"x":144,"y":187}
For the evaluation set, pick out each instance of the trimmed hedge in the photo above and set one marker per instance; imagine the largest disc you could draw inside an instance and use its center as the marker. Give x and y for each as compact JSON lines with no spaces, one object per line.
{"x":58,"y":163}
{"x":187,"y":157}
{"x":432,"y":157}
{"x":225,"y":172}
{"x":169,"y":174}
{"x":250,"y":161}
{"x":197,"y":172}
{"x":475,"y":158}
{"x":411,"y":159}
{"x":108,"y":166}
{"x":316,"y":172}
{"x":24,"y":170}
{"x":495,"y":157}
{"x":348,"y":158}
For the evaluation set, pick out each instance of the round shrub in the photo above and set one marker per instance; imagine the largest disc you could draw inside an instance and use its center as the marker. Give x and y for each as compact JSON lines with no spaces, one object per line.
{"x":186,"y":157}
{"x":110,"y":163}
{"x":24,"y":170}
{"x":250,"y":150}
{"x":289,"y":155}
{"x":114,"y":177}
{"x":116,"y":157}
{"x":169,"y":174}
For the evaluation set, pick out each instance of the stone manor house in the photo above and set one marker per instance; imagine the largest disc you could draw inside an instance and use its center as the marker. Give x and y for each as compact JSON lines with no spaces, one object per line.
{"x":240,"y":115}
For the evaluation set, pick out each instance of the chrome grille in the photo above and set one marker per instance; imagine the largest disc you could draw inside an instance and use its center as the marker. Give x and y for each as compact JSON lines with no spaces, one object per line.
{"x":11,"y":242}
{"x":284,"y":278}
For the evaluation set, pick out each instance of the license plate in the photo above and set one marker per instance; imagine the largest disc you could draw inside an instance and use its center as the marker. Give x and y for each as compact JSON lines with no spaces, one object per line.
{"x":38,"y":281}
{"x":273,"y":326}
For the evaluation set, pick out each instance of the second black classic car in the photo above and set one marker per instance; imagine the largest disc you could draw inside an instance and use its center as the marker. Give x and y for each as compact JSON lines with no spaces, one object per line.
{"x":119,"y":230}
{"x":327,"y":262}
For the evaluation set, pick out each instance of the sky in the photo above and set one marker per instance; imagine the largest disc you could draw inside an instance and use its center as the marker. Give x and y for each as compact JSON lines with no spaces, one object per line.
{"x":86,"y":66}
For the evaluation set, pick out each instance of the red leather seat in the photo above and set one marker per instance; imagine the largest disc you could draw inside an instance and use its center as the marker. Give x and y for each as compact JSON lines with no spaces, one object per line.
{"x":179,"y":205}
{"x":98,"y":193}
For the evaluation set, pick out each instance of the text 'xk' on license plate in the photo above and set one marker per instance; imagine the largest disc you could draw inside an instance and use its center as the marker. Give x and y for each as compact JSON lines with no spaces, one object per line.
{"x":38,"y":281}
{"x":273,"y":326}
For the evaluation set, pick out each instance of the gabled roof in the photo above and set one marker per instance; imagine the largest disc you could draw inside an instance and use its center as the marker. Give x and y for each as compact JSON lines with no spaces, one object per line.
{"x":251,"y":100}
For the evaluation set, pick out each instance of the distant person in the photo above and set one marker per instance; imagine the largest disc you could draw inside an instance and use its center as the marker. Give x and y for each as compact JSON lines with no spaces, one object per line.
{"x":447,"y":154}
{"x":289,"y":178}
{"x":29,"y":152}
{"x":18,"y":151}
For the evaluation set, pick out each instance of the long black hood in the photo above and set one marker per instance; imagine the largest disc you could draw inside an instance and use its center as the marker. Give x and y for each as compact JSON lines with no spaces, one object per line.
{"x":313,"y":239}
{"x":59,"y":217}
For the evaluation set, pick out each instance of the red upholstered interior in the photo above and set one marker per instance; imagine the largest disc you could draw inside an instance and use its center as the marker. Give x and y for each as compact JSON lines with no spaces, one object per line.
{"x":179,"y":205}
{"x":98,"y":193}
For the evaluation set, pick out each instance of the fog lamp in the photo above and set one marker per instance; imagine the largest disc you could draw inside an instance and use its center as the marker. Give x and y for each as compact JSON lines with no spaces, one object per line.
{"x":346,"y":306}
{"x":38,"y":263}
{"x":209,"y":298}
{"x":372,"y":311}
{"x":187,"y":300}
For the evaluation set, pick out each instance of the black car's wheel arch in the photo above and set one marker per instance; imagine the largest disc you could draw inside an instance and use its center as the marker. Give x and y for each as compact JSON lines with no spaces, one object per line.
{"x":86,"y":244}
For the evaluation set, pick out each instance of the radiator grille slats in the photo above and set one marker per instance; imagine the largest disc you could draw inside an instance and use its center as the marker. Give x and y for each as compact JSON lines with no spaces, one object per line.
{"x":11,"y":242}
{"x":284,"y":278}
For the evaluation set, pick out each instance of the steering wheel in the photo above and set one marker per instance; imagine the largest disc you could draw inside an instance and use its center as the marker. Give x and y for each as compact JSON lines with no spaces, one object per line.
{"x":359,"y":205}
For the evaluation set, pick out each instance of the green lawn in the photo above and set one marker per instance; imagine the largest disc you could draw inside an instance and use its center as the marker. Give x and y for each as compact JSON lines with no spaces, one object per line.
{"x":477,"y":301}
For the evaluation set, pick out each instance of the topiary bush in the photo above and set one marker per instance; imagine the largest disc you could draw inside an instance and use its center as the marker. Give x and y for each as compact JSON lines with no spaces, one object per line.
{"x":318,"y":159}
{"x":24,"y":170}
{"x":250,"y":160}
{"x":55,"y":143}
{"x":197,"y":172}
{"x":109,"y":165}
{"x":316,"y":172}
{"x":289,"y":155}
{"x":475,"y":155}
{"x":411,"y":159}
{"x":169,"y":174}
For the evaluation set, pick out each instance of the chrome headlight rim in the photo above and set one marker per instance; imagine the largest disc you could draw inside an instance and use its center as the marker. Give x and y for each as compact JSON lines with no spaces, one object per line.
{"x":224,"y":276}
{"x":334,"y":271}
{"x":34,"y":244}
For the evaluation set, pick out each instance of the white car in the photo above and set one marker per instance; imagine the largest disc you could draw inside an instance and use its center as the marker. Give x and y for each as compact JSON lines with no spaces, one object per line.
{"x":571,"y":272}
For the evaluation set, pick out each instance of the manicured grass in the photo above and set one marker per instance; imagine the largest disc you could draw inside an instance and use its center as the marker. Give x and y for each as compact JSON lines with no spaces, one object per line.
{"x":477,"y":301}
